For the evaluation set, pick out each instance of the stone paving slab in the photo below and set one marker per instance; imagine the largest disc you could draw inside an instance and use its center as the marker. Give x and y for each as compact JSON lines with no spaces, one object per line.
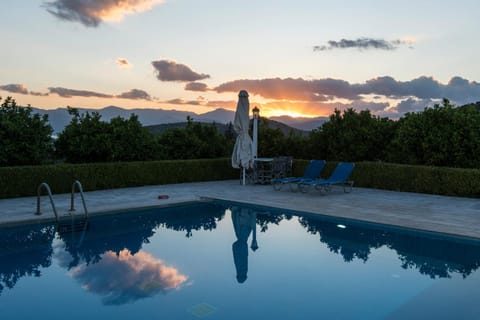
{"x":450,"y":215}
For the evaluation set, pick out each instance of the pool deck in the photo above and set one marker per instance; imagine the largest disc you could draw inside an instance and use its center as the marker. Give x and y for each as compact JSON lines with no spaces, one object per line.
{"x":450,"y":215}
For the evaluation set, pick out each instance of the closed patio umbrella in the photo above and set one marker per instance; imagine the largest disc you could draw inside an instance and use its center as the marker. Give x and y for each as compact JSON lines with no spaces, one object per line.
{"x":242,"y":156}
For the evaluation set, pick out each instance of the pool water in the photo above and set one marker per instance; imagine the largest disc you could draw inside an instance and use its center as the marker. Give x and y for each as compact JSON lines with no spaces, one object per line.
{"x":220,"y":260}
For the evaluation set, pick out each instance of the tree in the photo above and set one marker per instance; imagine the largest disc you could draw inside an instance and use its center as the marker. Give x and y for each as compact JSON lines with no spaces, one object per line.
{"x":270,"y":141}
{"x":89,"y":139}
{"x":195,"y":141}
{"x":230,"y":136}
{"x":353,"y":136}
{"x":25,"y":138}
{"x":440,"y":136}
{"x":131,"y":141}
{"x":85,"y":139}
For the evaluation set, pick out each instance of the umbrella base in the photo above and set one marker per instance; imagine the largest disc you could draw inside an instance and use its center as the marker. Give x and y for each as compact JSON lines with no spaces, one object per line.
{"x":247,"y":176}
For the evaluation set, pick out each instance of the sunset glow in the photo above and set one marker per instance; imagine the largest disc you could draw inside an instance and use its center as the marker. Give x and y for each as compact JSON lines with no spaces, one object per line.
{"x":278,"y":112}
{"x":301,"y":59}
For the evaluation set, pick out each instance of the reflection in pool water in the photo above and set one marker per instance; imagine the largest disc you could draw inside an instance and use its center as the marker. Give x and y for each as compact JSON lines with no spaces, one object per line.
{"x":244,"y":221}
{"x":306,"y":263}
{"x":122,"y":277}
{"x":24,"y":251}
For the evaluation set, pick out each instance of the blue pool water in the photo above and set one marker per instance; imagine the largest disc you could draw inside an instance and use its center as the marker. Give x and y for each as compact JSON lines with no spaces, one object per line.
{"x":197,"y":261}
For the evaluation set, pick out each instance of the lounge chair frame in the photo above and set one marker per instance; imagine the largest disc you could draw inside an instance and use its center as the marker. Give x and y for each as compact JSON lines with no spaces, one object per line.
{"x":338,"y":177}
{"x":312,"y":172}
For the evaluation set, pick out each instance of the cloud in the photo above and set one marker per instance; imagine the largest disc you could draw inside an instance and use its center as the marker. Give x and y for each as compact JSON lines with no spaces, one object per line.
{"x":292,"y":89}
{"x":15,"y":88}
{"x":196,"y":86}
{"x":168,"y":70}
{"x":38,"y":94}
{"x":422,"y":87}
{"x":135,"y":94}
{"x":462,"y":91}
{"x":125,"y":278}
{"x":363,"y":44}
{"x":123,"y":63}
{"x":183,"y":102}
{"x":226,"y":104}
{"x":413,"y":105}
{"x":69,"y":93}
{"x":92,"y":13}
{"x":458,"y":90}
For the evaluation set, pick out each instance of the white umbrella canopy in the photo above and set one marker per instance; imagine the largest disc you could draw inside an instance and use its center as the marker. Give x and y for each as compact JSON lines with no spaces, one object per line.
{"x":242,"y":156}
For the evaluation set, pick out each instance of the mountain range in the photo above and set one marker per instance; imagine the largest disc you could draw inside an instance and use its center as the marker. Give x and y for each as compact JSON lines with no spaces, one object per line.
{"x":59,"y":118}
{"x":222,"y":127}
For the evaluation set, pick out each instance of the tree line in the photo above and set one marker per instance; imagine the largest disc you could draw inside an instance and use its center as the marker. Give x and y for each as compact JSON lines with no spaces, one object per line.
{"x":443,"y":135}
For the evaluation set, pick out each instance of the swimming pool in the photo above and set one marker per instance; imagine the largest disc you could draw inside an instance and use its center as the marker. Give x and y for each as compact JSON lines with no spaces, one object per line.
{"x":221,"y":260}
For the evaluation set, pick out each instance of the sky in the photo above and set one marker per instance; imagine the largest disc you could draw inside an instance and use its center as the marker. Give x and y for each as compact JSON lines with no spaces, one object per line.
{"x":297,"y":58}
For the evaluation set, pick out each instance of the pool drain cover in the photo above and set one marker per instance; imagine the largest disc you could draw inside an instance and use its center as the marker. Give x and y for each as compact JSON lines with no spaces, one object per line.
{"x":202,"y":310}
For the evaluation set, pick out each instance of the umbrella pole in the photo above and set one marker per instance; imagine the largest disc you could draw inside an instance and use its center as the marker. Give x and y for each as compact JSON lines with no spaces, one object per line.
{"x":243,"y":175}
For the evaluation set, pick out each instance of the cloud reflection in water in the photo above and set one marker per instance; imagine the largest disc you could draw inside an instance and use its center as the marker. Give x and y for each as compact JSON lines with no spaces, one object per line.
{"x":124,"y":278}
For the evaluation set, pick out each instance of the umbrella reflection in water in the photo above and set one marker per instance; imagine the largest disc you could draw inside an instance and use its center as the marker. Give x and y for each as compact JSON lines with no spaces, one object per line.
{"x":244,"y":221}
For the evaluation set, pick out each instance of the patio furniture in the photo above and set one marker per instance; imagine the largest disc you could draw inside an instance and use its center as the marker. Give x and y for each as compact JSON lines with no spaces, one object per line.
{"x":263,"y":170}
{"x":339,"y":176}
{"x":312,"y":172}
{"x":282,"y":167}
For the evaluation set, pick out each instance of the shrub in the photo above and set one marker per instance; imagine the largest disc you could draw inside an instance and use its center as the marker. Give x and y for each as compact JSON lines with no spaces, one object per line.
{"x":23,"y":181}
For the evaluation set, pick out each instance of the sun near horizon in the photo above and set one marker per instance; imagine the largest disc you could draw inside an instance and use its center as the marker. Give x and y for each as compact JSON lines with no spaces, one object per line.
{"x":299,"y":59}
{"x":266,"y":109}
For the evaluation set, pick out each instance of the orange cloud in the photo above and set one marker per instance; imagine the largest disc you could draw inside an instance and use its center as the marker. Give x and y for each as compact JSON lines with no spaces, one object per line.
{"x":92,"y":13}
{"x":226,"y":104}
{"x":196,"y":86}
{"x":124,"y":278}
{"x":68,"y":93}
{"x":135,"y":94}
{"x":123,"y":63}
{"x":15,"y":88}
{"x":293,"y":89}
{"x":330,"y":89}
{"x":168,"y":70}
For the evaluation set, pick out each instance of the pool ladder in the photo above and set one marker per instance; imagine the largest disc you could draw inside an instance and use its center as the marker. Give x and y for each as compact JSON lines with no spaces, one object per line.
{"x":39,"y":190}
{"x":74,"y":225}
{"x":77,"y":183}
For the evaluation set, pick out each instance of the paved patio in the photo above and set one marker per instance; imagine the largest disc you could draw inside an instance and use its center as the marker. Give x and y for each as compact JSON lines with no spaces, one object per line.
{"x":451,"y":215}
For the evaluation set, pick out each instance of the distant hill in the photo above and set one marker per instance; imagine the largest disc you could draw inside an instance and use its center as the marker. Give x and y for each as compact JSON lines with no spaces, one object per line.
{"x":59,"y":118}
{"x":217,"y":115}
{"x":286,"y":129}
{"x":159,"y":128}
{"x":306,"y":124}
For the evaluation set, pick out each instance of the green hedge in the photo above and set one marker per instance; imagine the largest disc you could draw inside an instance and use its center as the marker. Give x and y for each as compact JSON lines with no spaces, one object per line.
{"x":409,"y":178}
{"x":23,"y":181}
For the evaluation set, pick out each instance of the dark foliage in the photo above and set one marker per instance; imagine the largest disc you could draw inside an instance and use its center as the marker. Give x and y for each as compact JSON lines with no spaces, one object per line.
{"x":195,"y":141}
{"x":89,"y":139}
{"x":353,"y":136}
{"x":25,"y":138}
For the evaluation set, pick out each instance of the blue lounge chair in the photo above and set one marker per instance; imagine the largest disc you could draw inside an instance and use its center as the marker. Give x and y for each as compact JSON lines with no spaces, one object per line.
{"x":312,"y":172}
{"x":339,"y":176}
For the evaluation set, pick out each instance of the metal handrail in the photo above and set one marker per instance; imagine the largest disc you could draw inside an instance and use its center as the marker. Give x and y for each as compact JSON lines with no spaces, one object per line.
{"x":39,"y":190}
{"x":80,"y":189}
